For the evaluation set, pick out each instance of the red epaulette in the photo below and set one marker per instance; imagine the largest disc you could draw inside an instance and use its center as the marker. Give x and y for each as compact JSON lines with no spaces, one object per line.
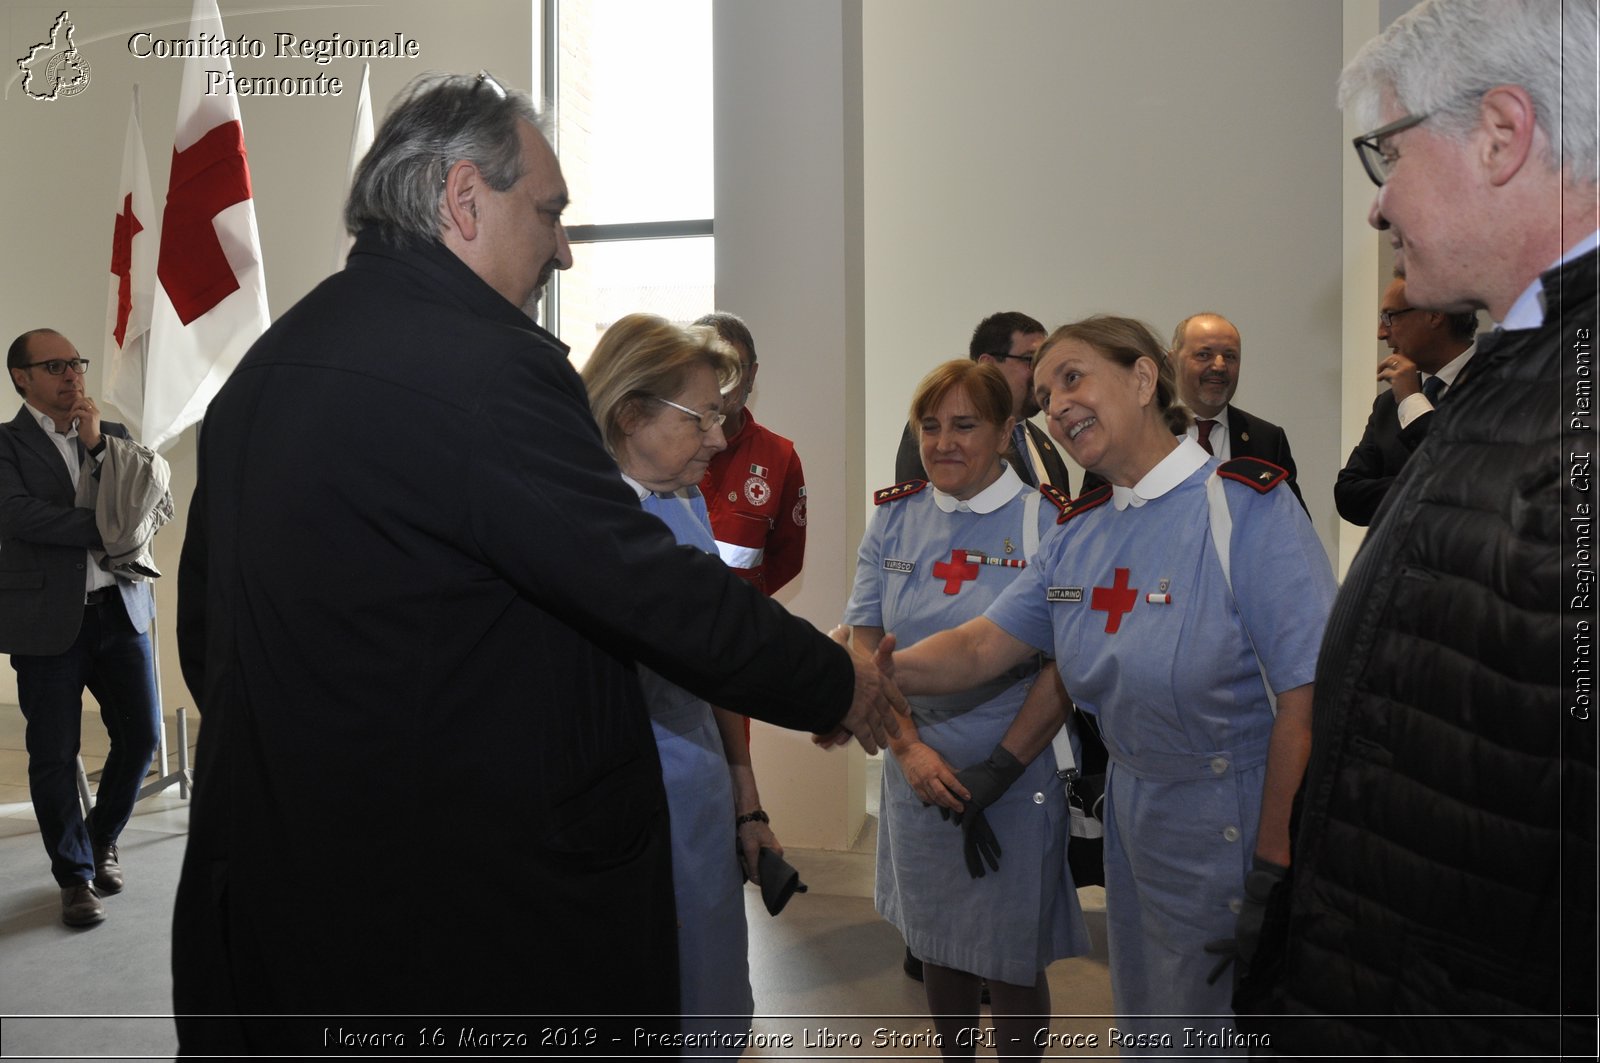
{"x":1057,"y":497}
{"x":1262,"y":475}
{"x":904,"y":489}
{"x":1085,"y":502}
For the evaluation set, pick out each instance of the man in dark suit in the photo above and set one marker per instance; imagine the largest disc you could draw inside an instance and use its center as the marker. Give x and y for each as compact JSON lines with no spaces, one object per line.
{"x":1205,"y":354}
{"x":1006,"y":340}
{"x":1420,"y":342}
{"x":68,"y":624}
{"x":412,"y":593}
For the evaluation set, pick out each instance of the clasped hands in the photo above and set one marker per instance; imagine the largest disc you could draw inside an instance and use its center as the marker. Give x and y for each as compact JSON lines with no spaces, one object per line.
{"x":961,"y":796}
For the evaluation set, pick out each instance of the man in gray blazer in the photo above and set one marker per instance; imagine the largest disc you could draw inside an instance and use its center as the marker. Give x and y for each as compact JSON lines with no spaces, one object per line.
{"x":68,"y":624}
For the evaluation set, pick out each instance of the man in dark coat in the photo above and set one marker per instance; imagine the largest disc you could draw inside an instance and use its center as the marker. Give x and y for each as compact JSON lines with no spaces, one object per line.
{"x":1205,"y":357}
{"x":1420,"y":342}
{"x":1442,"y":899}
{"x":68,"y":624}
{"x":1007,"y":341}
{"x":412,"y":592}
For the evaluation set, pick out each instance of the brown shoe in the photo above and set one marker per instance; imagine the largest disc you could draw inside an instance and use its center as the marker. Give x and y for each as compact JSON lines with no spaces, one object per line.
{"x":107,"y":872}
{"x":80,"y":907}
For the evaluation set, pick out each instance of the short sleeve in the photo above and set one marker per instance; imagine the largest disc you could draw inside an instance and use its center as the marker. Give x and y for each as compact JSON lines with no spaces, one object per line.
{"x":866,"y":596}
{"x":1282,"y":582}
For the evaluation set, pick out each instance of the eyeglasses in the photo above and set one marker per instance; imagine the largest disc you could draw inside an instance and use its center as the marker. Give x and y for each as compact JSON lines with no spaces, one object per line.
{"x":486,"y":78}
{"x":1370,"y":151}
{"x":1026,"y":359}
{"x":1386,"y":317}
{"x":57,"y":366}
{"x":708,"y":421}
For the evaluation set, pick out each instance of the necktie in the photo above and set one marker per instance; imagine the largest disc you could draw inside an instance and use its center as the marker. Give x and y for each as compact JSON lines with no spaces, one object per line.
{"x":1432,"y":388}
{"x":1019,"y":440}
{"x":1205,"y":427}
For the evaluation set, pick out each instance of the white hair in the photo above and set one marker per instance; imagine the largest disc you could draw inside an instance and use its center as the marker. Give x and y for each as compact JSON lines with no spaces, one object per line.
{"x":1443,"y":55}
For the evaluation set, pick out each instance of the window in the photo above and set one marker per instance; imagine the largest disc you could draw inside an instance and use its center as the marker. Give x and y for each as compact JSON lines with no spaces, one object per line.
{"x":632,"y":94}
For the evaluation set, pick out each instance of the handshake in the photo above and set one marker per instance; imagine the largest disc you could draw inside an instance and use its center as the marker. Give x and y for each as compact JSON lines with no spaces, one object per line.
{"x":875,"y":709}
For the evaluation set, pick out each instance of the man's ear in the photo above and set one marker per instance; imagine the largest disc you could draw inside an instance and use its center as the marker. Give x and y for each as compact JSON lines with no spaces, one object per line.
{"x":462,"y":184}
{"x":1507,"y":121}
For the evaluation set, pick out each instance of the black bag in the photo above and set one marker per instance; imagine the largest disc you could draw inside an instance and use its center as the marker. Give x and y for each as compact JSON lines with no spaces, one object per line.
{"x":1086,"y":795}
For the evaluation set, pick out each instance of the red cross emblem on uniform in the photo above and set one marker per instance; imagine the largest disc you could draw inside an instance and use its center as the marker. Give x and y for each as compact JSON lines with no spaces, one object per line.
{"x":956,"y":571}
{"x":1115,"y":600}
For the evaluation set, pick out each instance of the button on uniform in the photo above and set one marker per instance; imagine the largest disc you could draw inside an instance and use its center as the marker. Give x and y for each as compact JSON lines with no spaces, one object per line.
{"x":1231,"y":834}
{"x":1219,"y":764}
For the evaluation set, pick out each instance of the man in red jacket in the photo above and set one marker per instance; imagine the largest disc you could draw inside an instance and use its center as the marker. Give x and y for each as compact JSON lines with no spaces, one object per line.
{"x":755,"y":489}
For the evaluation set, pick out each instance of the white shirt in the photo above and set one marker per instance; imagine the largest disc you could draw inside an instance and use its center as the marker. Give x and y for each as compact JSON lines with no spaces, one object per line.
{"x":1220,"y":435}
{"x":1413,"y":406}
{"x":1169,"y":472}
{"x":1528,"y":311}
{"x":95,"y":576}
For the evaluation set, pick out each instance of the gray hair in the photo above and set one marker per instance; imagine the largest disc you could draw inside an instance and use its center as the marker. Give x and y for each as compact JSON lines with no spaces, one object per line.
{"x":437,"y":121}
{"x":1442,"y":56}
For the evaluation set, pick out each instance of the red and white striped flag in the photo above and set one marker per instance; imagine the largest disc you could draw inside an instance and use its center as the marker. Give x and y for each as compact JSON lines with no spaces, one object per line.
{"x":133,"y":278}
{"x":360,"y":141}
{"x":211,"y":303}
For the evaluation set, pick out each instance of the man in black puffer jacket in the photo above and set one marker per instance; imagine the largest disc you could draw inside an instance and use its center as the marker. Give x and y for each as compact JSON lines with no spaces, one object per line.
{"x":1442,"y":897}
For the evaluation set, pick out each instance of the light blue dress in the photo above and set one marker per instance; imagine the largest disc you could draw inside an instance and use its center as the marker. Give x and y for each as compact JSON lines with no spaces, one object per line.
{"x":1009,"y":925}
{"x":1182,"y":708}
{"x":713,"y":941}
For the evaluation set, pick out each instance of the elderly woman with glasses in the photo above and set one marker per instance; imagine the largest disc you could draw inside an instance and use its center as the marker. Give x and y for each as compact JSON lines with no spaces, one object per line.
{"x":657,"y":393}
{"x":938,"y":552}
{"x":1173,"y":598}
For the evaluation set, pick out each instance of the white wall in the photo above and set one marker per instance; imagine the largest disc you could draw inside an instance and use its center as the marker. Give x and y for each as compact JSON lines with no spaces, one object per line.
{"x":1151,"y":158}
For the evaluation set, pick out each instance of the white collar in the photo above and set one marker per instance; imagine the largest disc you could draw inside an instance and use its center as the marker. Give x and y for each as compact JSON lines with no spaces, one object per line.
{"x":48,"y":423}
{"x":991,"y":498}
{"x":1221,"y":418}
{"x":1169,"y":472}
{"x":638,"y":488}
{"x":1452,"y":369}
{"x":1528,"y":311}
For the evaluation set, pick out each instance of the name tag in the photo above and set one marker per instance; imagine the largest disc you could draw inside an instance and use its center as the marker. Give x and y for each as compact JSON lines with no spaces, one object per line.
{"x":892,"y":565}
{"x":1063,"y":594}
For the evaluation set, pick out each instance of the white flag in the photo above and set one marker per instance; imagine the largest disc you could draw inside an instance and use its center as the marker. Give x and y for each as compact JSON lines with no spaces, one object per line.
{"x":133,"y":278}
{"x":360,"y":141}
{"x":211,"y":302}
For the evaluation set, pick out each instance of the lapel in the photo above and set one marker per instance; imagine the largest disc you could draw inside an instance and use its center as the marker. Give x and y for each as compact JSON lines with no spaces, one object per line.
{"x":33,"y":437}
{"x":1242,"y":434}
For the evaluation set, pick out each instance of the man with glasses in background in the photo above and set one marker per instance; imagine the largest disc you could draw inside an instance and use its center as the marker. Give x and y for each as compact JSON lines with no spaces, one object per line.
{"x":1441,"y":899}
{"x":69,"y":624}
{"x":1007,"y":341}
{"x":1420,"y":342}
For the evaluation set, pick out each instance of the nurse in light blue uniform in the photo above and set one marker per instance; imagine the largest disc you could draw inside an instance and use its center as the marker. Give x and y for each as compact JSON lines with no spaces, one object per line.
{"x":1149,"y":636}
{"x":935,"y":555}
{"x":656,"y":391}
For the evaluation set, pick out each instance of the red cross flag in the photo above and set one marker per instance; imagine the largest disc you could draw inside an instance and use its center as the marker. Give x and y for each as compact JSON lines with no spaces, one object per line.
{"x":133,"y":278}
{"x":211,"y":302}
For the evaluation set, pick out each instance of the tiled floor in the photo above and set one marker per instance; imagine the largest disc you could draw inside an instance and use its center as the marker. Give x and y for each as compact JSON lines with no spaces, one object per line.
{"x":826,"y":971}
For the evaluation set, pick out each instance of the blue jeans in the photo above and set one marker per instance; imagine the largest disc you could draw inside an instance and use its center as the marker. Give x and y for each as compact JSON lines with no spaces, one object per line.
{"x":113,"y":661}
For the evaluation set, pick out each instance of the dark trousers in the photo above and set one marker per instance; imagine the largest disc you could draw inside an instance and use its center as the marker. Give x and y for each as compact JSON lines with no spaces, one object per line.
{"x":113,"y":661}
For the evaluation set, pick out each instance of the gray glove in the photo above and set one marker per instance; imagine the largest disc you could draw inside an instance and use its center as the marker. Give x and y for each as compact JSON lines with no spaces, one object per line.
{"x":986,"y":781}
{"x":1264,"y":876}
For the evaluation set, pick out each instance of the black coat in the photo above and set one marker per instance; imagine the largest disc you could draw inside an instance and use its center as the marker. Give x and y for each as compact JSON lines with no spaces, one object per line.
{"x":1445,"y":860}
{"x":410,"y":599}
{"x":1255,"y":437}
{"x":1377,"y":460}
